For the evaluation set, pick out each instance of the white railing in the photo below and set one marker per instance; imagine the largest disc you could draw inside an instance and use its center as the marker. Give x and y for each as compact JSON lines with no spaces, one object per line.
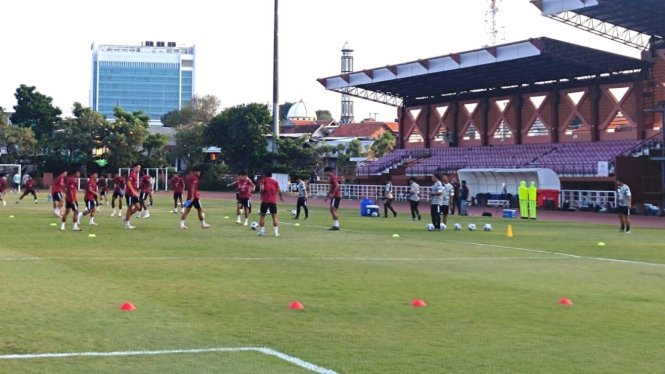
{"x":357,"y":192}
{"x":582,"y":198}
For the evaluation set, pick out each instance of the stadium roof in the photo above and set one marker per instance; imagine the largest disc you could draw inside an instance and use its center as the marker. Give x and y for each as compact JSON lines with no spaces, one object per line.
{"x":534,"y":65}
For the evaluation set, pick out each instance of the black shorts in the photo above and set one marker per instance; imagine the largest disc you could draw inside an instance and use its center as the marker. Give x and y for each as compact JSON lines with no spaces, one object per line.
{"x":116,"y":195}
{"x":302,"y":201}
{"x":177,"y":195}
{"x":445,"y":209}
{"x":57,"y":197}
{"x":624,"y":210}
{"x":268,"y":207}
{"x":16,"y":185}
{"x":196,"y":204}
{"x":143,"y":196}
{"x":72,"y":206}
{"x":245,"y":203}
{"x":103,"y":192}
{"x":334,"y":202}
{"x":132,"y":200}
{"x":89,"y":204}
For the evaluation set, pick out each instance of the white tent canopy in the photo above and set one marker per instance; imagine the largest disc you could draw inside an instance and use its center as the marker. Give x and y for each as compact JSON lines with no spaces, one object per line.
{"x":494,"y":180}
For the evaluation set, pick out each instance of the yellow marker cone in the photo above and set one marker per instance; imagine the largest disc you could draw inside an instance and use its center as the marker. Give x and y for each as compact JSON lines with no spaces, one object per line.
{"x":510,"y":231}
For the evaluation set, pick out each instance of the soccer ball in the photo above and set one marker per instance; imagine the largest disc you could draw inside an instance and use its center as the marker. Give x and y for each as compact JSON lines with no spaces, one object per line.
{"x":254,"y":226}
{"x":430,"y":227}
{"x":443,"y":226}
{"x":375,"y":214}
{"x":293,"y":212}
{"x":487,"y":227}
{"x":472,"y":227}
{"x":457,"y":227}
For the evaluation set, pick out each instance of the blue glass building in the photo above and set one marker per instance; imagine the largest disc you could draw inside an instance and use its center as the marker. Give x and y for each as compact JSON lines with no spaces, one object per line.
{"x":156,"y":77}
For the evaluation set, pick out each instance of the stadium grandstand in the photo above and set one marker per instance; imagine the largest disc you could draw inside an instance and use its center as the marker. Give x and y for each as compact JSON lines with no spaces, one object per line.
{"x":538,"y":103}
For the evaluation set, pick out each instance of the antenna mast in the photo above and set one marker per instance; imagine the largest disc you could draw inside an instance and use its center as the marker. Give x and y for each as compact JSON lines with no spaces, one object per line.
{"x":492,"y":22}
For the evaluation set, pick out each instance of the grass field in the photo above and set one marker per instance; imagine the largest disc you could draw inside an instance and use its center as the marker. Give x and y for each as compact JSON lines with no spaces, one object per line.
{"x":491,"y":300}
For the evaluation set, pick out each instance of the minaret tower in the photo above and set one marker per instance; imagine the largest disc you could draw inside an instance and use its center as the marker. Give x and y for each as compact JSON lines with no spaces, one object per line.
{"x":347,"y":68}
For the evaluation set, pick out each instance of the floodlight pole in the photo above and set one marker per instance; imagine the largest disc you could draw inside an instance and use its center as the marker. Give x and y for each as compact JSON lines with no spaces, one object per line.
{"x":662,"y":157}
{"x":275,"y":86}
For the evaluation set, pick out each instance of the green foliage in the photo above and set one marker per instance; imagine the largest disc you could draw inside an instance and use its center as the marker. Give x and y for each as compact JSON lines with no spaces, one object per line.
{"x":295,"y":154}
{"x":19,"y":142}
{"x":201,"y":109}
{"x":384,"y":145}
{"x":284,"y":110}
{"x":155,"y":142}
{"x":125,"y":137}
{"x":36,"y":111}
{"x":241,"y":133}
{"x":190,"y":142}
{"x":324,"y":115}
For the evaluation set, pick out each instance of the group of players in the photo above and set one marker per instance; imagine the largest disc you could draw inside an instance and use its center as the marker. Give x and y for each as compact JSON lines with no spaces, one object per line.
{"x":137,"y":193}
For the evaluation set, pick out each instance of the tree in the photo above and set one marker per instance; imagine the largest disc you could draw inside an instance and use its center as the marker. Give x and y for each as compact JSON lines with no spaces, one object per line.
{"x":295,"y":155}
{"x":324,"y":115}
{"x":284,"y":110}
{"x":36,"y":111}
{"x":201,"y":109}
{"x":125,"y":137}
{"x":354,"y":148}
{"x":155,"y":142}
{"x":190,"y":142}
{"x":19,"y":142}
{"x":383,"y":145}
{"x":241,"y":133}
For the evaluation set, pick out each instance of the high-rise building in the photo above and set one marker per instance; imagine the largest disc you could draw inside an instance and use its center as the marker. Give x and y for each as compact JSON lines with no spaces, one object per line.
{"x":156,"y":77}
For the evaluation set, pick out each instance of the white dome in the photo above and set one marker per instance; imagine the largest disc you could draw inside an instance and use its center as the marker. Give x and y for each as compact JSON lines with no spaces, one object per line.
{"x":302,"y":111}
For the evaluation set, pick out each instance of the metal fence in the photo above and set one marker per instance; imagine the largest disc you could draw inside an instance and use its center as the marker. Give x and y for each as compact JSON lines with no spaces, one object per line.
{"x":584,"y":199}
{"x":357,"y":192}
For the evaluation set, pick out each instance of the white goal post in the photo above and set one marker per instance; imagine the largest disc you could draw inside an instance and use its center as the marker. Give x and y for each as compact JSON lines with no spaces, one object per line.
{"x":160,"y":177}
{"x":9,"y":170}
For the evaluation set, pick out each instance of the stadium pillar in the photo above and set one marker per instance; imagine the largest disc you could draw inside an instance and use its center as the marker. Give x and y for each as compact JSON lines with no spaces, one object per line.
{"x":638,"y":89}
{"x":484,"y":121}
{"x":428,"y":131}
{"x":594,"y":96}
{"x":555,"y":101}
{"x":401,"y":113}
{"x":452,"y":136}
{"x":518,"y":105}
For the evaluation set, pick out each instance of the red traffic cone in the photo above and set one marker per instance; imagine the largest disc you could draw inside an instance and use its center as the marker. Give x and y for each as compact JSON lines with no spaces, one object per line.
{"x":565,"y":301}
{"x":127,"y":307}
{"x":418,"y":304}
{"x":296,"y":305}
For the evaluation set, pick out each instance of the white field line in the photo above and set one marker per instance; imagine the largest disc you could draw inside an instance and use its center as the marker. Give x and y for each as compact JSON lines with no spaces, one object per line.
{"x":531,"y":250}
{"x":266,"y":351}
{"x":278,"y":258}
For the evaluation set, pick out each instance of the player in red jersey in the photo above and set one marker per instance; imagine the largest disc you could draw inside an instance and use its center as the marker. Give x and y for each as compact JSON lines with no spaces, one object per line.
{"x":90,"y":197}
{"x":269,"y":191}
{"x":118,"y":192}
{"x":71,"y":202}
{"x":335,"y":196}
{"x":56,"y":193}
{"x":145,"y":193}
{"x":3,"y":187}
{"x":132,"y":195}
{"x":192,"y":182}
{"x":245,"y":187}
{"x":178,"y":185}
{"x":30,"y":187}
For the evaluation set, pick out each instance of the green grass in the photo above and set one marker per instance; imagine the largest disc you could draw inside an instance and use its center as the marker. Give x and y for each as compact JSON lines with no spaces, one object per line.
{"x":490,"y":309}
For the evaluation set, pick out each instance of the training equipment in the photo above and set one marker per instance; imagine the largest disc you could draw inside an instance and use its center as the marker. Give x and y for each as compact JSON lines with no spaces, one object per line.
{"x":101,"y":162}
{"x":11,"y":216}
{"x":395,"y":236}
{"x":375,"y":214}
{"x":418,"y":304}
{"x":54,"y":224}
{"x":297,"y":225}
{"x":487,"y":227}
{"x":472,"y":227}
{"x":601,"y":244}
{"x":458,"y":227}
{"x":443,"y":226}
{"x":430,"y":227}
{"x":254,"y":226}
{"x":127,"y":307}
{"x":296,"y":305}
{"x":510,"y":231}
{"x":510,"y":213}
{"x":565,"y":301}
{"x":92,"y":236}
{"x":293,"y":212}
{"x":226,"y":217}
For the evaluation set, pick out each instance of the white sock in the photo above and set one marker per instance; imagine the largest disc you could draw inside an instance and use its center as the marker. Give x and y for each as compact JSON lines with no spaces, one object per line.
{"x":56,"y":210}
{"x":76,"y":225}
{"x":276,"y":230}
{"x":92,"y":220}
{"x":182,"y":222}
{"x":336,"y":224}
{"x":263,"y":230}
{"x":126,"y":223}
{"x":203,"y":223}
{"x":147,"y":212}
{"x":238,"y":218}
{"x":246,"y":220}
{"x":62,"y":225}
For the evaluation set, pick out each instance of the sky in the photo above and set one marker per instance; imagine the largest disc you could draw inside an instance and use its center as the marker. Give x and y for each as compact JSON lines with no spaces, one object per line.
{"x":49,"y":46}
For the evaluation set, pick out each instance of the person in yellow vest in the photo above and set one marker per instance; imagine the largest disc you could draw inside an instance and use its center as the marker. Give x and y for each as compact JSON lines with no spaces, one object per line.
{"x":524,"y":200}
{"x":533,"y":200}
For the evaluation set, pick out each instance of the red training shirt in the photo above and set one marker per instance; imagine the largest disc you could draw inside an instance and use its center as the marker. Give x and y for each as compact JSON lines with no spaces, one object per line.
{"x":57,"y":184}
{"x":132,"y":181}
{"x":192,"y":187}
{"x":3,"y":184}
{"x":118,"y":183}
{"x":244,"y":188}
{"x":71,"y":187}
{"x":334,"y":183}
{"x":145,"y":183}
{"x":178,"y":184}
{"x":30,"y":185}
{"x":269,"y":188}
{"x":90,"y":190}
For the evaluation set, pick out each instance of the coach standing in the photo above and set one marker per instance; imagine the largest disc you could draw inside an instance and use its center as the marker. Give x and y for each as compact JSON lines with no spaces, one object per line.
{"x":625,"y":202}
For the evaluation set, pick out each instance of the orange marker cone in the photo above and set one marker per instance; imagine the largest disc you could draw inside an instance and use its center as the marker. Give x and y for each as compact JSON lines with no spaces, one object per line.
{"x":565,"y":301}
{"x":510,"y":231}
{"x":418,"y":304}
{"x":127,"y":307}
{"x":296,"y":305}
